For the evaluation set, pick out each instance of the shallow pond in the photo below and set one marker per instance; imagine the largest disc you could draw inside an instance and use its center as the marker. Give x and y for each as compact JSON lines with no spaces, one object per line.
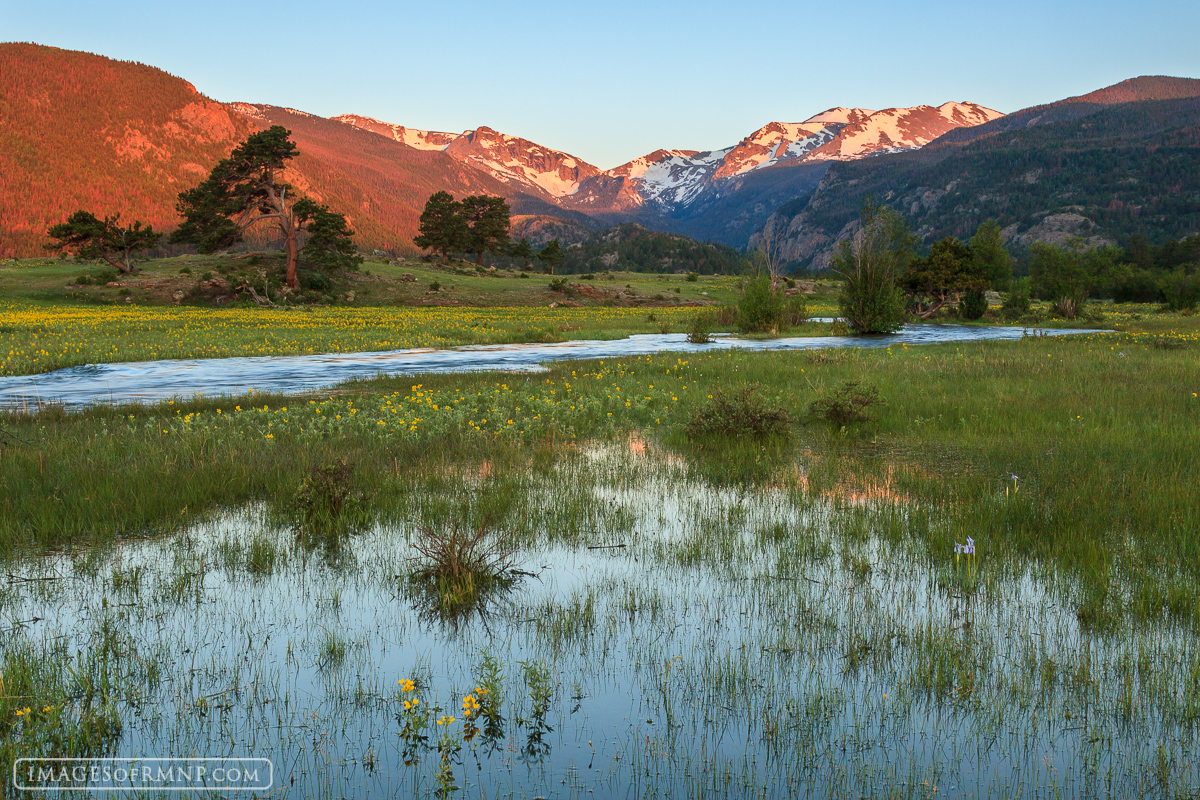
{"x":689,"y":640}
{"x":152,"y":381}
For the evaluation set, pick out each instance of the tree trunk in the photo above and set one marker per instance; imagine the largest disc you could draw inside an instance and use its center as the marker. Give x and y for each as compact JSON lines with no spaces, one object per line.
{"x":445,"y":258}
{"x":125,"y":267}
{"x":292,"y":255}
{"x":479,"y":260}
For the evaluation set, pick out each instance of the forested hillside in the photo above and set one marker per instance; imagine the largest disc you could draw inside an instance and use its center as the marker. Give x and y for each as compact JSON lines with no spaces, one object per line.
{"x":632,"y":247}
{"x":1116,"y":172}
{"x":82,"y":131}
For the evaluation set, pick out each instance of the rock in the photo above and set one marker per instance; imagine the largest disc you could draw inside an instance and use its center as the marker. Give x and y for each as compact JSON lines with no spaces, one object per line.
{"x":113,"y":285}
{"x":128,"y":300}
{"x":349,"y":297}
{"x":177,"y":297}
{"x":554,"y":305}
{"x":408,"y":277}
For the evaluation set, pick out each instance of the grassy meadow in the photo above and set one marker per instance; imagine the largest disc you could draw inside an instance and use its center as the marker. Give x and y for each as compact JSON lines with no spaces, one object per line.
{"x":561,"y":584}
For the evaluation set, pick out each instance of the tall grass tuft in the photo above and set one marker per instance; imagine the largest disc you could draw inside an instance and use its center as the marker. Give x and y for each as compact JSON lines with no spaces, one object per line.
{"x":458,"y":567}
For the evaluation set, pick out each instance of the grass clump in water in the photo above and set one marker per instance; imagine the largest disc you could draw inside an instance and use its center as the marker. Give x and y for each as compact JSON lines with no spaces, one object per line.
{"x":746,"y":413}
{"x":847,"y":406}
{"x":327,"y":505}
{"x":457,"y":567}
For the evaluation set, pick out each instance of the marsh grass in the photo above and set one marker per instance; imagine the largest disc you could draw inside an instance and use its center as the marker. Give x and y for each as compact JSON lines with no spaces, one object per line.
{"x":458,"y":568}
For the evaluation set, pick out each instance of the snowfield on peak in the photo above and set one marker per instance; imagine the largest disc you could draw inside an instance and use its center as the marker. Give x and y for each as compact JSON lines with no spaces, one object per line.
{"x":894,"y":129}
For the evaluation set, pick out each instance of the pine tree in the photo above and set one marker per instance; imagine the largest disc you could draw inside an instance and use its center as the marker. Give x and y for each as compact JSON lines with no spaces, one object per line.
{"x":329,"y":246}
{"x":523,"y":251}
{"x":91,"y":237}
{"x":551,"y":254}
{"x":241,"y":191}
{"x":441,"y":227}
{"x":486,"y":220}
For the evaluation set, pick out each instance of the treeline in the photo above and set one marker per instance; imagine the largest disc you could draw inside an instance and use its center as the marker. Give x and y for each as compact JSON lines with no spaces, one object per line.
{"x":1139,"y":273}
{"x":634,"y":248}
{"x":887,"y":282}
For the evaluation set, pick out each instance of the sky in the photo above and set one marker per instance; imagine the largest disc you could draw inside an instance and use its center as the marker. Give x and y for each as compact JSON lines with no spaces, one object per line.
{"x":611,"y":81}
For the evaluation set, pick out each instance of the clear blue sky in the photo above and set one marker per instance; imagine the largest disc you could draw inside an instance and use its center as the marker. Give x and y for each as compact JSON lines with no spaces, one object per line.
{"x":611,"y":81}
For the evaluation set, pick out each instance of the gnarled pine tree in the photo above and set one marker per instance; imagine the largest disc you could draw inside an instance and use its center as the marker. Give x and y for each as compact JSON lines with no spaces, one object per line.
{"x":242,"y":191}
{"x":91,"y":237}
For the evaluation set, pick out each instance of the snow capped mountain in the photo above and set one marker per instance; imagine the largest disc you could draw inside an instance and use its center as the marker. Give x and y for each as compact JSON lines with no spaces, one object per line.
{"x":896,"y":129}
{"x":845,"y":116}
{"x":508,"y":158}
{"x":671,"y":180}
{"x":520,"y":161}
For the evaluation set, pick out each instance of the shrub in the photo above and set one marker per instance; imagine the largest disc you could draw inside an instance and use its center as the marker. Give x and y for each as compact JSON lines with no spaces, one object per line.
{"x":435,"y":286}
{"x":558,"y":284}
{"x":1059,"y":276}
{"x":870,"y":263}
{"x":327,"y":504}
{"x":760,"y":308}
{"x":847,"y":406}
{"x":744,"y":414}
{"x":795,"y":313}
{"x":1016,"y":303}
{"x":692,"y":277}
{"x":315,"y":281}
{"x":973,"y":304}
{"x":700,"y":329}
{"x":457,"y":567}
{"x":1181,"y":291}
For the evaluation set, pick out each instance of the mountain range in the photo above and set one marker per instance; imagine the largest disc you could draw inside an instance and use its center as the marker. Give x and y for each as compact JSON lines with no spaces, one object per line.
{"x":82,"y":131}
{"x":1102,"y":167}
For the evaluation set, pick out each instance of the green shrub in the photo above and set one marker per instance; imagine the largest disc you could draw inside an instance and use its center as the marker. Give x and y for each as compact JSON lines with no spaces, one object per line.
{"x":1181,"y":291}
{"x":870,"y":263}
{"x":558,"y":284}
{"x":744,"y":414}
{"x":435,"y":286}
{"x":700,"y":329}
{"x":692,"y":277}
{"x":795,"y":313}
{"x":315,"y":281}
{"x":973,"y":304}
{"x":760,"y":308}
{"x":847,"y":406}
{"x":1016,"y":303}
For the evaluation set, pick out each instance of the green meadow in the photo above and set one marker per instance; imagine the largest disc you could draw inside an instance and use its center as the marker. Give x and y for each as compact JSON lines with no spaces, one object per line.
{"x":667,"y":576}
